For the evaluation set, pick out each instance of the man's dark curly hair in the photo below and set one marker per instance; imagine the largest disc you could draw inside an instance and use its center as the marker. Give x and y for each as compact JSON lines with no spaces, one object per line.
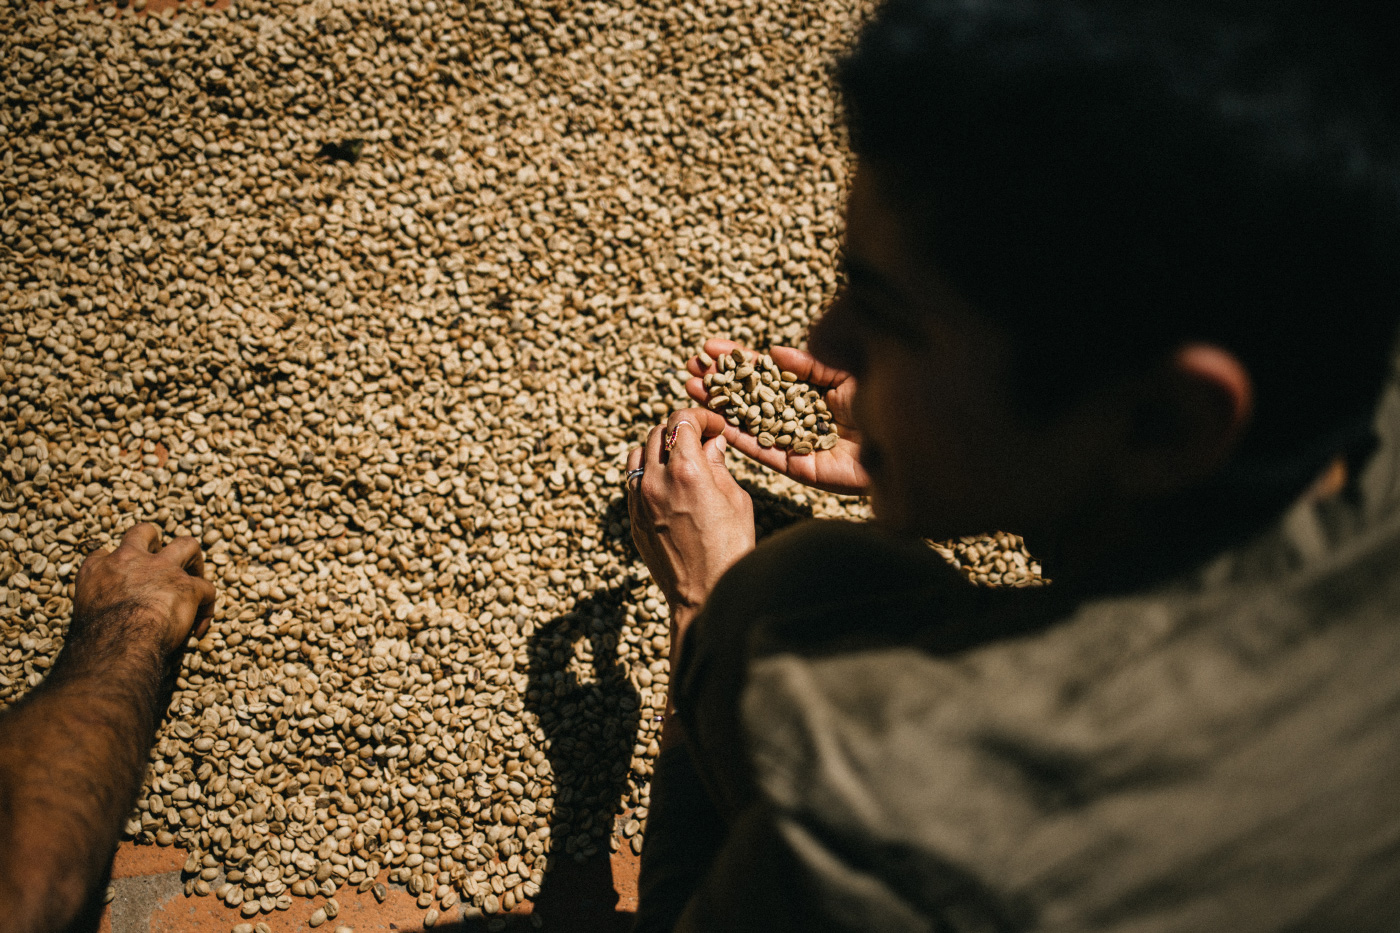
{"x":1109,"y":180}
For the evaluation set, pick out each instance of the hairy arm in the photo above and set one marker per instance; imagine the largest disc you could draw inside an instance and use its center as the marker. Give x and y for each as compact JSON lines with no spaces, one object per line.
{"x":73,"y":752}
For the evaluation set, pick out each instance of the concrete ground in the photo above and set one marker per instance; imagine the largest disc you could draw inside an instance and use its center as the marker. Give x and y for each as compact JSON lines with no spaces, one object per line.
{"x":597,"y":896}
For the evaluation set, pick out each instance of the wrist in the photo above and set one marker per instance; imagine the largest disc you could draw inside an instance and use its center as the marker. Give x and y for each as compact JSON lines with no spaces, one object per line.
{"x":681,"y":618}
{"x":682,"y":614}
{"x":124,"y":637}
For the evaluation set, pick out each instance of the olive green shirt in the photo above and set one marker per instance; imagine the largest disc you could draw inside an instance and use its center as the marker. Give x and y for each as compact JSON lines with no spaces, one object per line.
{"x":872,"y":744}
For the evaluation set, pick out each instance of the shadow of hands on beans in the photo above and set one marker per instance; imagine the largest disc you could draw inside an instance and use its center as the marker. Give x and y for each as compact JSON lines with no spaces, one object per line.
{"x":583,"y":698}
{"x":588,"y":710}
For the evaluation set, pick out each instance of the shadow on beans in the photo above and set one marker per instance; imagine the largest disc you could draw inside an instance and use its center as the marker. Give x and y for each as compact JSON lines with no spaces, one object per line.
{"x":587,"y":708}
{"x":588,"y":711}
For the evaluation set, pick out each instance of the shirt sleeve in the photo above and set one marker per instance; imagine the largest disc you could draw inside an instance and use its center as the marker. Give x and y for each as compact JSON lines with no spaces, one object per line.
{"x":684,"y":831}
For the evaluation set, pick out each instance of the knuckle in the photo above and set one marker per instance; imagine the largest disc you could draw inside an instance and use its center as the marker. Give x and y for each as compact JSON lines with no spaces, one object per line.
{"x":684,"y":470}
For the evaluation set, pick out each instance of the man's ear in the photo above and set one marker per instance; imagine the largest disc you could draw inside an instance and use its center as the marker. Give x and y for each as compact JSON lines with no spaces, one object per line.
{"x":1187,"y":419}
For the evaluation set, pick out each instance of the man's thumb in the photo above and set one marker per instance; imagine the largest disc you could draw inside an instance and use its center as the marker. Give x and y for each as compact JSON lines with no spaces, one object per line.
{"x":714,"y":449}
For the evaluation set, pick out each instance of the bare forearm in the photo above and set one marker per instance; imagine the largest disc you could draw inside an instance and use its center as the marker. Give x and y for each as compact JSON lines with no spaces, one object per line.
{"x":73,"y":752}
{"x":72,"y":757}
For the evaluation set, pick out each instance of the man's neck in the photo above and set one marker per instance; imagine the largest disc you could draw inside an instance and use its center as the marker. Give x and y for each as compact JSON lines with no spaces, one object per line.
{"x":1132,"y":546}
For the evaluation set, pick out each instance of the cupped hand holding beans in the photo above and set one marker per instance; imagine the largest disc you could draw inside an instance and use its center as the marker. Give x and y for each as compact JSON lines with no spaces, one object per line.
{"x":836,"y":469}
{"x":690,"y":520}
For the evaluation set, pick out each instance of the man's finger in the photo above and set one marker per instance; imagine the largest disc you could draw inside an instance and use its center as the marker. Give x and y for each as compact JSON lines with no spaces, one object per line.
{"x":715,"y":347}
{"x":714,"y":451}
{"x":718,"y":346}
{"x":145,"y":537}
{"x":806,"y":367}
{"x":208,"y":596}
{"x":89,"y":565}
{"x":185,"y":552}
{"x":682,"y":435}
{"x":651,"y":458}
{"x":96,"y":555}
{"x":695,"y":388}
{"x":774,"y":458}
{"x":707,"y":423}
{"x":634,"y":462}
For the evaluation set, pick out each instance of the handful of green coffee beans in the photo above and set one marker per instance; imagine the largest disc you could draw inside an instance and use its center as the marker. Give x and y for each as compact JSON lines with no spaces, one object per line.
{"x":756,"y":396}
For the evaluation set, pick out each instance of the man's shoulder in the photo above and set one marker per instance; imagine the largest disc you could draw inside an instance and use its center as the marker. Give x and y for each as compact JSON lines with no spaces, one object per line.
{"x":1073,"y":752}
{"x":819,"y":554}
{"x":846,"y":571}
{"x":825,"y":587}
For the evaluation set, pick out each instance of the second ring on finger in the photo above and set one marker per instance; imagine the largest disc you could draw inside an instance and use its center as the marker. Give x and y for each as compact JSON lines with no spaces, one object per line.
{"x":635,"y":458}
